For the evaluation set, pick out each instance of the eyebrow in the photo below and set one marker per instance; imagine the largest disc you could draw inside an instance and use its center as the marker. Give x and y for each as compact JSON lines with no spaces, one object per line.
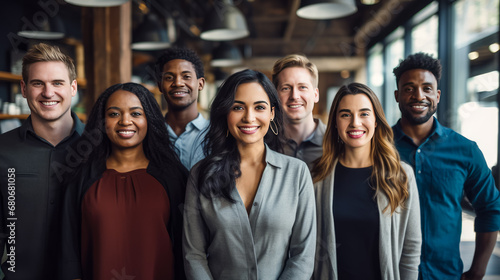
{"x":183,"y":72}
{"x":256,"y":102}
{"x":53,"y":81}
{"x":118,"y":108}
{"x":412,"y":83}
{"x":361,"y":110}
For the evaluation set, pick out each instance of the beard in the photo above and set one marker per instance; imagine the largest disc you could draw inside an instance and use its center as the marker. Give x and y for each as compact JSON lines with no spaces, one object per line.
{"x":417,"y":120}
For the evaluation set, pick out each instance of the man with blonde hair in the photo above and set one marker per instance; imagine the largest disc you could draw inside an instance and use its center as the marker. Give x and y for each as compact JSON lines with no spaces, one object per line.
{"x":296,"y":79}
{"x":33,"y":158}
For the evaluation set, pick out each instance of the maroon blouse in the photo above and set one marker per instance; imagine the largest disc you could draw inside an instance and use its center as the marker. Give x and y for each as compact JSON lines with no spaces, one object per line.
{"x":124,"y":228}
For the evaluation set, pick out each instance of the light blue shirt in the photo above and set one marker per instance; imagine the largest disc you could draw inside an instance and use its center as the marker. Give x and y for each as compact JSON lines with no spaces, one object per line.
{"x":276,"y":240}
{"x":188,"y":145}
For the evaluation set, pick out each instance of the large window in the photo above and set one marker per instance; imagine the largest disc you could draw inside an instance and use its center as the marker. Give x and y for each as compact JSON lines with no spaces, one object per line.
{"x":474,"y":110}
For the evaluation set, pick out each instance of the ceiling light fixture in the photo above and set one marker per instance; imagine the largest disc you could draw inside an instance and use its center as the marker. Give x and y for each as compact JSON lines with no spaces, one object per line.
{"x":495,"y":47}
{"x":473,"y":55}
{"x":49,"y":28}
{"x":326,"y":9}
{"x":150,"y":35}
{"x":226,"y":55}
{"x":97,"y":3}
{"x":224,"y":23}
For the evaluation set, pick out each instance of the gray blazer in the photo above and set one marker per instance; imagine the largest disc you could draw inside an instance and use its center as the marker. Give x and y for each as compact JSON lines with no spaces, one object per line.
{"x":400,"y":235}
{"x":275,"y":241}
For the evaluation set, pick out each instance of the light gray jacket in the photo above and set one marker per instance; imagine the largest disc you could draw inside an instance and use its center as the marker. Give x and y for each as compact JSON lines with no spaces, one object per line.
{"x":400,"y":235}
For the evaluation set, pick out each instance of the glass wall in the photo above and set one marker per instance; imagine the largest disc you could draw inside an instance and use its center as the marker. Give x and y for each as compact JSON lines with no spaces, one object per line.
{"x":471,"y":57}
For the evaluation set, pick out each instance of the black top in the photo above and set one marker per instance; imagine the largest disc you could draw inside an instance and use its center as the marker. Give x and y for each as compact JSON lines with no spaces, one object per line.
{"x":356,"y":218}
{"x":31,"y":174}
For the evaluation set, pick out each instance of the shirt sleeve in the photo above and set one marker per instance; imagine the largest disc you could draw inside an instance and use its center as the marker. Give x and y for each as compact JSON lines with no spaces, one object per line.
{"x":71,"y":232}
{"x":195,"y":234}
{"x":482,"y":193}
{"x":410,"y":257}
{"x":300,"y":263}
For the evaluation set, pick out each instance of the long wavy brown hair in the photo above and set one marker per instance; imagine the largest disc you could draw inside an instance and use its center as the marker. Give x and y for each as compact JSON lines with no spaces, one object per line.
{"x":388,"y":176}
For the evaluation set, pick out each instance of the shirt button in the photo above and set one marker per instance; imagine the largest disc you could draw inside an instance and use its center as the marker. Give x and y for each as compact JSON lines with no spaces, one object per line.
{"x":420,"y":171}
{"x":418,"y":151}
{"x":255,"y":204}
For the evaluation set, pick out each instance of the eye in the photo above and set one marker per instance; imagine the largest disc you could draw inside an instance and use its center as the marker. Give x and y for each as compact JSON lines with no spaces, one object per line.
{"x":345,"y":115}
{"x":37,"y":84}
{"x":58,"y":83}
{"x":303,"y":87}
{"x":365,"y":114}
{"x":187,"y":77}
{"x":168,"y":77}
{"x":285,"y":89}
{"x":408,"y":89}
{"x":260,"y":107}
{"x":113,"y":114}
{"x":237,"y":108}
{"x":136,"y":114}
{"x":427,"y":89}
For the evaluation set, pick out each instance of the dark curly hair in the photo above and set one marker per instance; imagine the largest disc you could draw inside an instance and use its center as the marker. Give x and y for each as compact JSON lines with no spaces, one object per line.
{"x":157,"y":146}
{"x":418,"y":61}
{"x":178,"y":53}
{"x":217,"y":173}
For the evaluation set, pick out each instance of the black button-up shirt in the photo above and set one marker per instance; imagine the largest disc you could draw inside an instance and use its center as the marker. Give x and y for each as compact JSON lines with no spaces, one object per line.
{"x":31,"y":174}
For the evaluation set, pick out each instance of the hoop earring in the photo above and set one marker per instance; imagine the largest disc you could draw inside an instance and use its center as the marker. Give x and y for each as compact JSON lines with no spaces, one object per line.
{"x":339,"y":140}
{"x":274,"y":130}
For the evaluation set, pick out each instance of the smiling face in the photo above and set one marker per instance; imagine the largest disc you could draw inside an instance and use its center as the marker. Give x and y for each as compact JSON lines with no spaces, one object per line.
{"x":356,"y":121}
{"x":125,"y":121}
{"x":417,"y":96}
{"x":180,"y":85}
{"x":249,"y":117}
{"x":297,"y":94}
{"x":49,"y":91}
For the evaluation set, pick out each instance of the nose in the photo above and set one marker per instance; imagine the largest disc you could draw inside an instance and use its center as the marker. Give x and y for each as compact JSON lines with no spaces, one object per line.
{"x":177,"y":81}
{"x":418,"y":94}
{"x":249,"y":116}
{"x":48,"y":92}
{"x":355,"y":121}
{"x":294,"y":94}
{"x":125,"y":120}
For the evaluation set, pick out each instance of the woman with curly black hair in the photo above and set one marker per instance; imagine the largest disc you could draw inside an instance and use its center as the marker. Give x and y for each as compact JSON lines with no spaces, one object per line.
{"x":121,"y":211}
{"x":249,"y":211}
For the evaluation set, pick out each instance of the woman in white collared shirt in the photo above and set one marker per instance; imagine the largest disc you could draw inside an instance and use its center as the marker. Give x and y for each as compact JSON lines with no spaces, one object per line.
{"x":249,"y":211}
{"x":367,"y":200}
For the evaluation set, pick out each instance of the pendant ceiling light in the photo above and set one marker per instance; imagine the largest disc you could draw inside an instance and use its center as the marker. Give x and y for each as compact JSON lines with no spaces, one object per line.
{"x":226,"y":55}
{"x":224,"y":23}
{"x":46,"y":28}
{"x":326,"y":9}
{"x":97,"y":3}
{"x":150,"y":35}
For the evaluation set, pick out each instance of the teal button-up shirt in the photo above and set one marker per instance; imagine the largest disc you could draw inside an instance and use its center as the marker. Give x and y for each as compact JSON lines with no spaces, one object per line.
{"x":447,"y":166}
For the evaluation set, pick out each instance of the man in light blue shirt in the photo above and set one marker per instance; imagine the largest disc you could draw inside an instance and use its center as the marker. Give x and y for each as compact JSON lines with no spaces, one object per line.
{"x":447,"y":166}
{"x":180,"y":77}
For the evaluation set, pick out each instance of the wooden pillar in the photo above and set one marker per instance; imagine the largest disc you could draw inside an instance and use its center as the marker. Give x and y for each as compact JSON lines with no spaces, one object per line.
{"x":108,"y":57}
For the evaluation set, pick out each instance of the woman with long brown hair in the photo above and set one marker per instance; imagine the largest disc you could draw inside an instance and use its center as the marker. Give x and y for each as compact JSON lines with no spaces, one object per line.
{"x":366,"y":199}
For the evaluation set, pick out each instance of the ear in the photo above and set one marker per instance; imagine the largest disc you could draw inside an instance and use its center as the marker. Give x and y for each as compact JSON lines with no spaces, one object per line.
{"x":272,"y":112}
{"x":316,"y":95}
{"x":74,"y":88}
{"x":23,"y":88}
{"x":438,"y":95}
{"x":201,"y":83}
{"x":396,"y":95}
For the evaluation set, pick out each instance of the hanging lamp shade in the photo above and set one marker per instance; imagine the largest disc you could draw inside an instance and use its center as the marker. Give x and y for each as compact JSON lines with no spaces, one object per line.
{"x":224,"y":23}
{"x":326,"y":9}
{"x":97,"y":3}
{"x":47,"y":28}
{"x":226,"y":55}
{"x":150,"y":35}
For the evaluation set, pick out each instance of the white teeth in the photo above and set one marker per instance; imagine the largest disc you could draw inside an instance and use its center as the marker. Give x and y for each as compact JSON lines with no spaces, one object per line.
{"x":295,"y":106}
{"x":419,"y":107}
{"x":248,"y":128}
{"x":49,"y":103}
{"x":356,"y":133}
{"x":126,"y":132}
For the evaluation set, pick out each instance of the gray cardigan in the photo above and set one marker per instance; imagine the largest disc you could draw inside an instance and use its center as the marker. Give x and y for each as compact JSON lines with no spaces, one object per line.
{"x":400,"y":235}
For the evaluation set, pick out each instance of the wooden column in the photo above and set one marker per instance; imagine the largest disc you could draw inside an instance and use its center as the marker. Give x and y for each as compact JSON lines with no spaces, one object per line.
{"x":108,"y":57}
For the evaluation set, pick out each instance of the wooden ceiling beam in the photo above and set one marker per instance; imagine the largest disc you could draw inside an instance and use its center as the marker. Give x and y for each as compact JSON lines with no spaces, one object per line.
{"x":292,"y":20}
